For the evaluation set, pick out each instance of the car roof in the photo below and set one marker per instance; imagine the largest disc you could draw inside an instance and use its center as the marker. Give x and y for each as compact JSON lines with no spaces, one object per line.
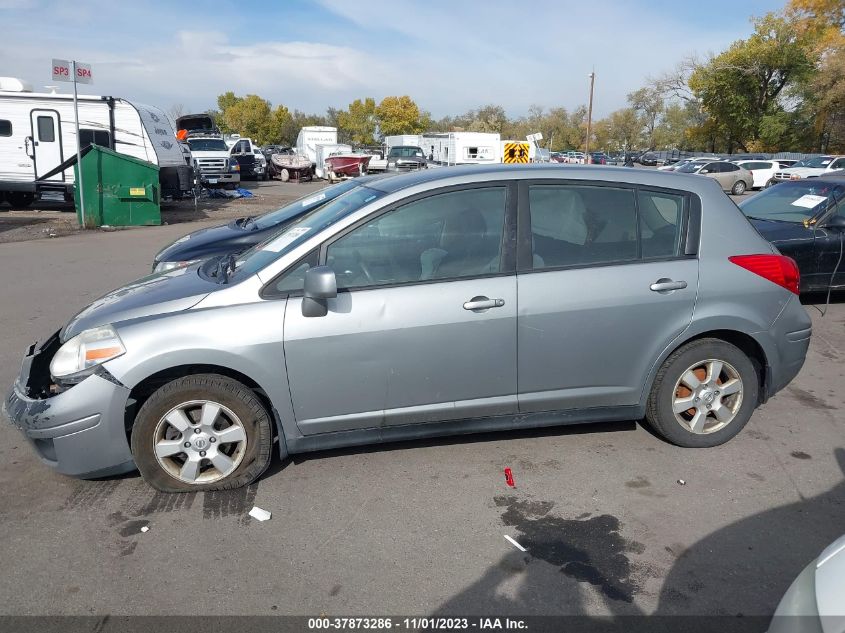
{"x":480,"y":173}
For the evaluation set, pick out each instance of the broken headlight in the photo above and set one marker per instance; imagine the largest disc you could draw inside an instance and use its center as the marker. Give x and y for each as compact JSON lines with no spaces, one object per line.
{"x":79,"y":356}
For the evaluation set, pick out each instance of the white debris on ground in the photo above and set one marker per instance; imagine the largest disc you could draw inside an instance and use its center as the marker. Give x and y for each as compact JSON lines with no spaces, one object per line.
{"x":260,"y":514}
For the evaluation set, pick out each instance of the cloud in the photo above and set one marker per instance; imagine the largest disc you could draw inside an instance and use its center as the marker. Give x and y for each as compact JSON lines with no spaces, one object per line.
{"x":449,"y":57}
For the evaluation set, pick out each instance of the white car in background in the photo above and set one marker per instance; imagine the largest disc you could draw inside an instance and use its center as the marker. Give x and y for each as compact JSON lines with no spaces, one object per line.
{"x":574,"y":158}
{"x":763,"y":170}
{"x":809,"y":168}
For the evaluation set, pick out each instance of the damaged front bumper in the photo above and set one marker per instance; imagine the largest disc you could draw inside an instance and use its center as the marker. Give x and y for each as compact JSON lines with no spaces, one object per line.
{"x":79,"y":431}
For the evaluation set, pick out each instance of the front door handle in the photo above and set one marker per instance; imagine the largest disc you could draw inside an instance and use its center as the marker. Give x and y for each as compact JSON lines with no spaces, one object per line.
{"x":481,"y":304}
{"x":667,"y":285}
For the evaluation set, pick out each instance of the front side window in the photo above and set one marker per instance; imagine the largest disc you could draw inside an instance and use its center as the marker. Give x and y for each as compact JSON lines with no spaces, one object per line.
{"x":444,"y":236}
{"x":5,"y":128}
{"x":46,"y":129}
{"x":575,"y":225}
{"x":839,"y":163}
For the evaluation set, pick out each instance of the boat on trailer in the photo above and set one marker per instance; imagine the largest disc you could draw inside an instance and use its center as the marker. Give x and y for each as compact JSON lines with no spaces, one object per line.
{"x":291,"y":166}
{"x":343,"y":165}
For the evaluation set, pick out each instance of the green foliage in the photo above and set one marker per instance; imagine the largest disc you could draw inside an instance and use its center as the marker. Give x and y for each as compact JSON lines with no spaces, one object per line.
{"x":359,"y":121}
{"x":398,"y":115}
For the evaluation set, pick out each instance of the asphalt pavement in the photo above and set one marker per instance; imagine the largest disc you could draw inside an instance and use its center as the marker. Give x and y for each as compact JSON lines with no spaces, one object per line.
{"x":614,"y":520}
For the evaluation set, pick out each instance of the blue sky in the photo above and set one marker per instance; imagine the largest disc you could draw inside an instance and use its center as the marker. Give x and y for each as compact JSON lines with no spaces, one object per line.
{"x":449,"y":56}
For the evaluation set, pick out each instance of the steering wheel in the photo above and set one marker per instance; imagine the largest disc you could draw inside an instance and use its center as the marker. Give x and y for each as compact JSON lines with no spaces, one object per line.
{"x":359,"y":261}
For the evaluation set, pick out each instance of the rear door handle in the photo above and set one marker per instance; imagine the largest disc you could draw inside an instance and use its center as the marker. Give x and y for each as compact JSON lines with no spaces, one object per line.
{"x":483,"y":303}
{"x":667,"y":285}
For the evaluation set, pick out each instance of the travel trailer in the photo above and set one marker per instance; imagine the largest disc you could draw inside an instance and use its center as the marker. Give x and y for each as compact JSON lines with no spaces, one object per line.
{"x":462,"y":148}
{"x":310,"y":137}
{"x":38,"y":135}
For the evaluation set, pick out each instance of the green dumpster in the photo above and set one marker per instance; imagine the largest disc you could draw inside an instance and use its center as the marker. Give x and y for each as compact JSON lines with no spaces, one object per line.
{"x":118,"y":190}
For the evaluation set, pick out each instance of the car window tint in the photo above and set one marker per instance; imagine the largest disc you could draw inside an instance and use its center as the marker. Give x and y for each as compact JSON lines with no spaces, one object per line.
{"x":838,"y":164}
{"x":660,"y":223}
{"x":5,"y":127}
{"x":729,"y":167}
{"x":575,"y":225}
{"x":293,"y":279}
{"x":444,"y":236}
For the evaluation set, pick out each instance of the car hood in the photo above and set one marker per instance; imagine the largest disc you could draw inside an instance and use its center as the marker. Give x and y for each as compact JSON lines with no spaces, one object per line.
{"x":172,"y":291}
{"x":203,"y":243}
{"x":779,"y":232}
{"x":217,"y":153}
{"x":802,"y":171}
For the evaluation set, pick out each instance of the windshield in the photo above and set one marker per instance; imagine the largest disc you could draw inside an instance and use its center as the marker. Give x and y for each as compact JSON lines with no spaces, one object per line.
{"x":818,"y":162}
{"x":303,"y":205}
{"x":207,"y":145}
{"x":406,"y":151}
{"x":302,"y":229}
{"x":791,"y":201}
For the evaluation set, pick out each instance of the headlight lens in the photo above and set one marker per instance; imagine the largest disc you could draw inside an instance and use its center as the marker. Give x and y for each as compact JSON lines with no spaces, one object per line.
{"x":78,"y":357}
{"x":163,"y":267}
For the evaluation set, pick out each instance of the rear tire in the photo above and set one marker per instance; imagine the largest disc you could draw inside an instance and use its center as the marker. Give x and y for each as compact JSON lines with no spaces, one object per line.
{"x":739,"y":188}
{"x":211,"y":412}
{"x":723,"y":407}
{"x":20,"y":199}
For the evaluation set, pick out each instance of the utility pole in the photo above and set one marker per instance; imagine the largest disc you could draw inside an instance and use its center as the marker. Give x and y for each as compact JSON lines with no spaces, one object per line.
{"x":589,"y":120}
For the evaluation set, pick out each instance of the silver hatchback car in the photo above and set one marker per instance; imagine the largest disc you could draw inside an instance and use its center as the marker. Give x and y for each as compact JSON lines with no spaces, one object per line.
{"x":446,"y":301}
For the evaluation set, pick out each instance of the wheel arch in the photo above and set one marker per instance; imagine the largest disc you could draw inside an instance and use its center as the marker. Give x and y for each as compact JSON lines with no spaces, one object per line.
{"x":742,"y":340}
{"x":144,"y":388}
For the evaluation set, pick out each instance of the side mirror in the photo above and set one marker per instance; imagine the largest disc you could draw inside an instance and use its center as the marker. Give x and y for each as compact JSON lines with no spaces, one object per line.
{"x":320,"y":285}
{"x":704,"y":171}
{"x":836,"y":222}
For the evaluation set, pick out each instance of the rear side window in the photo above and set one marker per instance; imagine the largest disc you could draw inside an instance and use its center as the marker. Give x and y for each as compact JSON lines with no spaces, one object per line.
{"x":575,"y":225}
{"x":46,"y":129}
{"x":5,"y":128}
{"x":729,"y":167}
{"x":661,"y":216}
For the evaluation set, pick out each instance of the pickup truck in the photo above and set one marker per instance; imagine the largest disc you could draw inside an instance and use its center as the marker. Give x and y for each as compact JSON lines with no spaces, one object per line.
{"x":808,"y":168}
{"x":213,"y":161}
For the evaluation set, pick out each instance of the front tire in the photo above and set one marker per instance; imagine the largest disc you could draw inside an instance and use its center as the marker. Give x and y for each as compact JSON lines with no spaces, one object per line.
{"x":703,"y":394}
{"x":202,"y":432}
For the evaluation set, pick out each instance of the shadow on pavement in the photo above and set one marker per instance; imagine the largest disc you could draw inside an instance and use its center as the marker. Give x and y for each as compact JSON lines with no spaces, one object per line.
{"x":731,"y":580}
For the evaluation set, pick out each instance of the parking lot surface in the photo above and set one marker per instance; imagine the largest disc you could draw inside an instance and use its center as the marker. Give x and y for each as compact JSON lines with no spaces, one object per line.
{"x":614,"y":520}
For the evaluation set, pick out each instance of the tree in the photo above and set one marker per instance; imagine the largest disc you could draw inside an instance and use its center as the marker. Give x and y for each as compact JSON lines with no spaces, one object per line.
{"x":648,"y":102}
{"x":359,"y":121}
{"x":625,"y":129}
{"x":176,"y":110}
{"x":398,"y":115}
{"x":252,"y":116}
{"x":740,"y":86}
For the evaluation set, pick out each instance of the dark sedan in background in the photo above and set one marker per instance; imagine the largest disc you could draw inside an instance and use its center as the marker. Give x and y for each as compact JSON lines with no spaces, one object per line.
{"x":244,"y":233}
{"x":805,"y":219}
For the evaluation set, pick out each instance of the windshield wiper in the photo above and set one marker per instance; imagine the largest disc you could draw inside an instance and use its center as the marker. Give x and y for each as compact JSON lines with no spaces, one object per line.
{"x":247,"y":220}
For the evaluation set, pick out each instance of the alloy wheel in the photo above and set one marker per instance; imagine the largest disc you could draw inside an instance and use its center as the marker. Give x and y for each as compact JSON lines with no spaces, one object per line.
{"x":199,"y":442}
{"x":707,"y":396}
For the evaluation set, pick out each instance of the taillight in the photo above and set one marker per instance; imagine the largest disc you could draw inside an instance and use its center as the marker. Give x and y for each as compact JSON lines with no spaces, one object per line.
{"x":778,"y":269}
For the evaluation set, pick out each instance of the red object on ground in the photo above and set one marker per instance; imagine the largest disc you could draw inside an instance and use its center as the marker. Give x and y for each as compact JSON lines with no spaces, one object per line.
{"x":509,"y":478}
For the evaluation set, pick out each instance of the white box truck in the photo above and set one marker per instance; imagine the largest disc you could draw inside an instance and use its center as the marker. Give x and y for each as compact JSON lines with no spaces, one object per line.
{"x":462,"y":148}
{"x":38,"y":134}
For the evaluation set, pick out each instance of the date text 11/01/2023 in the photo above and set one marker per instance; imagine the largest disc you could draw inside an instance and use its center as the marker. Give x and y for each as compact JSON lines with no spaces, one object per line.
{"x":415,"y":624}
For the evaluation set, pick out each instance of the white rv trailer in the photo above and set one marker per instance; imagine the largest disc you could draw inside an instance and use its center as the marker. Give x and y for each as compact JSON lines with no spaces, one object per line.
{"x":38,"y":133}
{"x":462,"y":148}
{"x":310,"y":137}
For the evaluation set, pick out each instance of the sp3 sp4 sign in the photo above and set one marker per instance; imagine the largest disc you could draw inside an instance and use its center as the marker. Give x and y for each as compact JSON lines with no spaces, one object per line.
{"x":62,"y":71}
